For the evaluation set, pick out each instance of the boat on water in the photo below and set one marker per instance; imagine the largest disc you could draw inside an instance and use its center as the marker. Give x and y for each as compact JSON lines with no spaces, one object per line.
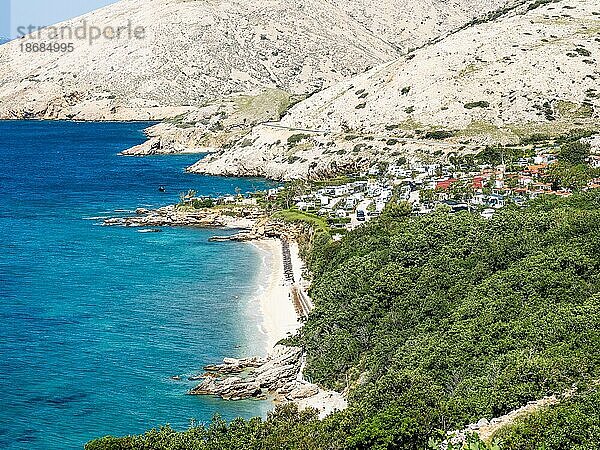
{"x":150,"y":230}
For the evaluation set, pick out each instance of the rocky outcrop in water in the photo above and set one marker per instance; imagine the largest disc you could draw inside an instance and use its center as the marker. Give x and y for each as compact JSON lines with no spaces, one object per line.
{"x":175,"y":216}
{"x":279,"y":375}
{"x":276,"y":374}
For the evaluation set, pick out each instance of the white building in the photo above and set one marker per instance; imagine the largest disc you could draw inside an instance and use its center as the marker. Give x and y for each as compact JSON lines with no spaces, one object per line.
{"x":351,"y":203}
{"x":374,"y":171}
{"x":399,"y":172}
{"x":496,"y":201}
{"x":323,"y":199}
{"x":305,"y":206}
{"x":337,"y":191}
{"x":488,"y":213}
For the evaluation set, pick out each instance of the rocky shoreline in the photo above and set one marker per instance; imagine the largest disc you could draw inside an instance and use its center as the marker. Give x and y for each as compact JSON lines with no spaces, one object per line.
{"x":251,"y":221}
{"x":278,"y":376}
{"x":175,"y":216}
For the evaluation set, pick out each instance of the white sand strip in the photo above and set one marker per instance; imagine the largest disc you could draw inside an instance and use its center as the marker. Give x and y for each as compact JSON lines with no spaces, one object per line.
{"x":281,"y":320}
{"x":279,"y":316}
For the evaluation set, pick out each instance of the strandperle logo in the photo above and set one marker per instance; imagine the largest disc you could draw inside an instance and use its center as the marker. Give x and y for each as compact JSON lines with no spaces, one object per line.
{"x":39,"y":27}
{"x":83,"y":31}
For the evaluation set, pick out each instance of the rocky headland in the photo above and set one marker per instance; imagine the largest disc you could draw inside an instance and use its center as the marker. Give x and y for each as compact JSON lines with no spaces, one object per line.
{"x":278,"y":376}
{"x":177,"y":216}
{"x":218,"y":124}
{"x":251,"y":222}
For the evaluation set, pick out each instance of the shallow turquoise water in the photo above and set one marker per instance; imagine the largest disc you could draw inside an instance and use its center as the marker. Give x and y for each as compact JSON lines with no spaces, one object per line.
{"x":93,"y":320}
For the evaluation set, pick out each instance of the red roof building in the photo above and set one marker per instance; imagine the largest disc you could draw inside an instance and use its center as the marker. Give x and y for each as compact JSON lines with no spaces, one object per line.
{"x":444,"y":185}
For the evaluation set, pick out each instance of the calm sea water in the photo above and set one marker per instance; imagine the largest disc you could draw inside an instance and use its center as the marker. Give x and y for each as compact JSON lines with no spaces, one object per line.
{"x":94,"y":321}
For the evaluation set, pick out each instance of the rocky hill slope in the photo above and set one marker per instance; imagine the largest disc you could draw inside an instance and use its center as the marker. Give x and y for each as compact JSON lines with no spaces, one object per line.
{"x":194,"y":51}
{"x":528,"y":72}
{"x":219,"y":123}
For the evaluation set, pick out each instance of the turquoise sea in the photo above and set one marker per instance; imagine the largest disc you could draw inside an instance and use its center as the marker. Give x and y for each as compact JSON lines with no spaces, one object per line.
{"x":94,"y":321}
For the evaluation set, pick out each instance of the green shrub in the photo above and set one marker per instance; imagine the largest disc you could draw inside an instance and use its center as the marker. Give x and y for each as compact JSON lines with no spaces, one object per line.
{"x":203,"y":203}
{"x":439,"y":134}
{"x":295,"y":139}
{"x":479,"y":104}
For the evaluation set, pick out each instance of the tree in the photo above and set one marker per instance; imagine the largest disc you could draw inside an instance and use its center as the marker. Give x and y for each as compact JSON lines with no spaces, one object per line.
{"x":294,"y":189}
{"x":397,"y":211}
{"x":461,"y":190}
{"x":574,"y":153}
{"x":574,"y":177}
{"x":426,"y":196}
{"x":512,"y":182}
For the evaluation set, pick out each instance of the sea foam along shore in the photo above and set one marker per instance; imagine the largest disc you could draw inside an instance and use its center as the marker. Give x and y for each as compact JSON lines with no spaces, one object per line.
{"x":279,"y":315}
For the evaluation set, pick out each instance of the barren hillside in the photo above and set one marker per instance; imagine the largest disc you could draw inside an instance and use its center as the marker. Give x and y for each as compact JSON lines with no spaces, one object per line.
{"x":200,"y":50}
{"x":529,"y":72}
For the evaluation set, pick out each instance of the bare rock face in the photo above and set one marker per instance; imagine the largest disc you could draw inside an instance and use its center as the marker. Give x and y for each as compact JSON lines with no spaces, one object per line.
{"x":232,"y":388}
{"x":218,"y":124}
{"x":309,"y":390}
{"x":279,"y":375}
{"x":482,"y":81}
{"x":192,"y":52}
{"x":531,"y":70}
{"x":232,"y":365}
{"x":281,"y":368}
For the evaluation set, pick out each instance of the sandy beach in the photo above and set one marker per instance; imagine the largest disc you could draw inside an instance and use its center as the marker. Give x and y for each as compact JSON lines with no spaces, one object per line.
{"x":279,"y":316}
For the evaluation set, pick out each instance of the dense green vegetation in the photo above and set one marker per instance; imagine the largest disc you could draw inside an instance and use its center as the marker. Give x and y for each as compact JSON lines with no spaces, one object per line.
{"x":573,"y":424}
{"x":295,"y":216}
{"x":572,"y":170}
{"x":434,"y":322}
